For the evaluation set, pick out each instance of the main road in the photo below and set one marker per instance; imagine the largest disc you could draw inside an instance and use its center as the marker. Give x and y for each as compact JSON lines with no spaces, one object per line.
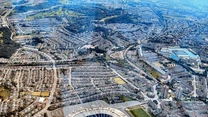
{"x":132,"y":85}
{"x":194,"y":84}
{"x":50,"y":98}
{"x":133,"y":65}
{"x":4,"y":21}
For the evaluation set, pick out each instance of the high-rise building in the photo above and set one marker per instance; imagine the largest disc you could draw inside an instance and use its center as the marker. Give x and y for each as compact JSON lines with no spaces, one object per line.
{"x":164,"y":93}
{"x":205,"y":92}
{"x":178,"y":93}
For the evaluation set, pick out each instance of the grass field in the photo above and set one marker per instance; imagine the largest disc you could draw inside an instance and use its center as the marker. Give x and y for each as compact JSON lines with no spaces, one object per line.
{"x":45,"y":94}
{"x":154,"y":74}
{"x":106,"y":100}
{"x":125,"y":99}
{"x":4,"y":93}
{"x":42,"y":94}
{"x":119,"y":81}
{"x":36,"y":93}
{"x":139,"y":112}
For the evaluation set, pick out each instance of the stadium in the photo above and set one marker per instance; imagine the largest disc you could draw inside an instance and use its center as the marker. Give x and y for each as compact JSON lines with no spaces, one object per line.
{"x":93,"y":109}
{"x":100,"y":115}
{"x":97,"y":108}
{"x":98,"y":112}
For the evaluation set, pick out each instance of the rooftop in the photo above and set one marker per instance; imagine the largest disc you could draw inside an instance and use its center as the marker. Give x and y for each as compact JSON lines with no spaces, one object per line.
{"x":178,"y":53}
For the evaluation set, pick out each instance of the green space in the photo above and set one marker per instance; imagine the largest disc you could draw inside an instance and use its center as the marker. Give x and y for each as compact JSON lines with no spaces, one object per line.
{"x":107,"y":58}
{"x":139,"y":112}
{"x":125,"y":99}
{"x":106,"y":100}
{"x":1,"y":34}
{"x":59,"y":12}
{"x":1,"y":11}
{"x":7,"y":46}
{"x":4,"y":93}
{"x":154,"y":73}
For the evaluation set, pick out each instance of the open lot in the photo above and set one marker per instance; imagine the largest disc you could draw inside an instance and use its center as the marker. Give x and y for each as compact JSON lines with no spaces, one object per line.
{"x":4,"y":93}
{"x":119,"y":81}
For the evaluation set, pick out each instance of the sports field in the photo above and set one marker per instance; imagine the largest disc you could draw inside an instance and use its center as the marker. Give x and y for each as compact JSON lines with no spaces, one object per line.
{"x":139,"y":112}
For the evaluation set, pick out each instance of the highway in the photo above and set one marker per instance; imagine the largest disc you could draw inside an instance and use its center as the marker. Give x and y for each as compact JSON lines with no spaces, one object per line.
{"x":132,"y":64}
{"x":135,"y":66}
{"x":140,"y":71}
{"x":4,"y":21}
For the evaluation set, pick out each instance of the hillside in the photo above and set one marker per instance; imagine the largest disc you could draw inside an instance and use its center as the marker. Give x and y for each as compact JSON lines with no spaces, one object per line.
{"x":7,"y":46}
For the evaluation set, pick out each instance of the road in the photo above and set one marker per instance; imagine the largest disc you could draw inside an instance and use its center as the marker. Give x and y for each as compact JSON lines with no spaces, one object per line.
{"x":4,"y":21}
{"x":132,"y":64}
{"x":145,"y":96}
{"x":141,"y":71}
{"x":194,"y":84}
{"x":206,"y":86}
{"x":69,"y":78}
{"x":1,"y":107}
{"x":124,"y":106}
{"x":48,"y":103}
{"x":70,"y":69}
{"x":95,"y":86}
{"x":135,"y":66}
{"x":18,"y":82}
{"x":156,"y":96}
